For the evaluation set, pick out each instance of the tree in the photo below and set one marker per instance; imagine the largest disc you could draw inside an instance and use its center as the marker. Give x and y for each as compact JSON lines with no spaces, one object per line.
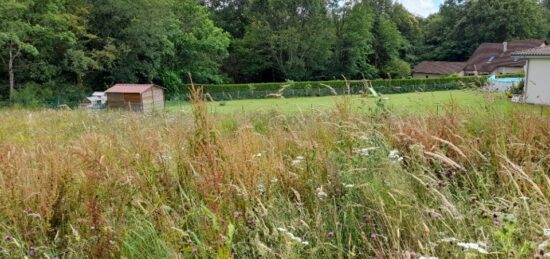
{"x":15,"y":36}
{"x":293,"y":35}
{"x":200,"y":47}
{"x":461,"y":26}
{"x":353,"y":26}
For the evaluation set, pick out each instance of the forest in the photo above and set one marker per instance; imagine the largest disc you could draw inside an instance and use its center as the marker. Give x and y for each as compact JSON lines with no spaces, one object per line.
{"x":53,"y":47}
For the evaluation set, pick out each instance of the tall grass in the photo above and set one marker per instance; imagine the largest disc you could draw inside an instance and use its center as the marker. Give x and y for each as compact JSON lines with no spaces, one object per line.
{"x":333,"y":184}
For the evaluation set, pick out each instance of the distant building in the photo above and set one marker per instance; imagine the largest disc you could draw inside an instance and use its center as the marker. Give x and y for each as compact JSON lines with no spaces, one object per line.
{"x":537,"y":74}
{"x":496,"y":58}
{"x":434,"y":69}
{"x":136,"y":97}
{"x":98,"y":100}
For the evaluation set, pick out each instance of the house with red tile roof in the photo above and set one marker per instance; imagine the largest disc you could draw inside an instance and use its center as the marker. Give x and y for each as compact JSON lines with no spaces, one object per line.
{"x":434,"y":69}
{"x":497,"y":59}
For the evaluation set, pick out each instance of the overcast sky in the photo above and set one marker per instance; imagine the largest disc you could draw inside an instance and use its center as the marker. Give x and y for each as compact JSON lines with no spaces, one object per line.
{"x":422,"y":7}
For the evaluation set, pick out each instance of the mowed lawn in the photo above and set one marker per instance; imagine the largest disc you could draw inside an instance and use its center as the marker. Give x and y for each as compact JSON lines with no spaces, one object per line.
{"x":425,"y":102}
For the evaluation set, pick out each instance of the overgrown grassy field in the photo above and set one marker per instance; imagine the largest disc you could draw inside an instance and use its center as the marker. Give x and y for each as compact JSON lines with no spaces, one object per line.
{"x":332,"y":183}
{"x":421,"y":102}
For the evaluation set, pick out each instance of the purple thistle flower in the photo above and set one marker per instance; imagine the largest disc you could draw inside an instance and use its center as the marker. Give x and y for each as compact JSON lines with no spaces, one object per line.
{"x":195,"y":251}
{"x":7,"y":238}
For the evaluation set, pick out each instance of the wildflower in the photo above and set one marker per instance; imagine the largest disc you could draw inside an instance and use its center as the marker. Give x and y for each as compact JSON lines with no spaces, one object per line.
{"x":257,"y":155}
{"x":546,"y":232}
{"x":364,"y":137}
{"x":434,"y":215}
{"x":394,"y":155}
{"x":274,"y":180}
{"x":7,"y":238}
{"x":282,"y":230}
{"x":331,"y":234}
{"x":305,"y":243}
{"x":373,"y":235}
{"x":166,"y":157}
{"x":496,"y":222}
{"x":261,"y":188}
{"x":252,"y":223}
{"x":297,"y":160}
{"x":479,"y":247}
{"x":32,"y":252}
{"x":321,"y":194}
{"x":237,"y":214}
{"x":364,"y":151}
{"x":195,"y":251}
{"x":349,"y":186}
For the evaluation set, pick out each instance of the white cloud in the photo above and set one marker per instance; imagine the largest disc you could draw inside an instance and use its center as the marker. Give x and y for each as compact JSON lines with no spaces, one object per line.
{"x":421,"y":7}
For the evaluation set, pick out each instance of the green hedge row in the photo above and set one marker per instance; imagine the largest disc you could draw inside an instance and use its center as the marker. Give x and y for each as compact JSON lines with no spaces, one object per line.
{"x":379,"y":85}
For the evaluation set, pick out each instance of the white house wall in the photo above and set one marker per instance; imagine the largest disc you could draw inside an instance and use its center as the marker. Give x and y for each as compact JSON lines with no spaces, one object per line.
{"x":538,"y":81}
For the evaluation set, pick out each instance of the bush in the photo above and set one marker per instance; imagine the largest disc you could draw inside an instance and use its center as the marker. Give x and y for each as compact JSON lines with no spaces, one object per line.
{"x":319,"y":88}
{"x":32,"y":95}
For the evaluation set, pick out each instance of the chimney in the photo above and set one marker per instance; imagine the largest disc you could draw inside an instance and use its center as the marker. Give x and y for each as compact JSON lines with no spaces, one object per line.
{"x":505,"y":46}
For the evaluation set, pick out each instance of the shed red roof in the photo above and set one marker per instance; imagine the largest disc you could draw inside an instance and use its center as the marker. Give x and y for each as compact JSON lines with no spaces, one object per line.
{"x":130,"y":88}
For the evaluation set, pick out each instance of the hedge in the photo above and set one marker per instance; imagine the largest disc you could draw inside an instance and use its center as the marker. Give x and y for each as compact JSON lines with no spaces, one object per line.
{"x":377,"y":84}
{"x":318,"y":88}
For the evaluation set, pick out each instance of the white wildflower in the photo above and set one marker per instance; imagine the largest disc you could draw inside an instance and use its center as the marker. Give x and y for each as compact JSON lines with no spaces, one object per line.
{"x":298,"y":160}
{"x":274,"y":180}
{"x":282,"y":230}
{"x":261,"y":188}
{"x":394,"y":155}
{"x":321,"y":194}
{"x":257,"y":155}
{"x":292,"y":236}
{"x":364,"y":151}
{"x":479,"y":247}
{"x":349,"y":186}
{"x":166,"y":157}
{"x":543,"y":245}
{"x":546,"y":232}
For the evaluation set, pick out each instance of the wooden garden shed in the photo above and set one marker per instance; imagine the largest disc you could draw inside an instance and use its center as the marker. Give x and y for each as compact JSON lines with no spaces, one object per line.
{"x":136,"y":97}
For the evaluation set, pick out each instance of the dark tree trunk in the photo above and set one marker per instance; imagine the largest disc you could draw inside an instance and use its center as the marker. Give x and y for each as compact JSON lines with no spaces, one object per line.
{"x":11,"y":75}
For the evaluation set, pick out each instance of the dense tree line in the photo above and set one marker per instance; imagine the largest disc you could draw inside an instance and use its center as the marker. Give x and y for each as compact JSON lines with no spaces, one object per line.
{"x":48,"y":47}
